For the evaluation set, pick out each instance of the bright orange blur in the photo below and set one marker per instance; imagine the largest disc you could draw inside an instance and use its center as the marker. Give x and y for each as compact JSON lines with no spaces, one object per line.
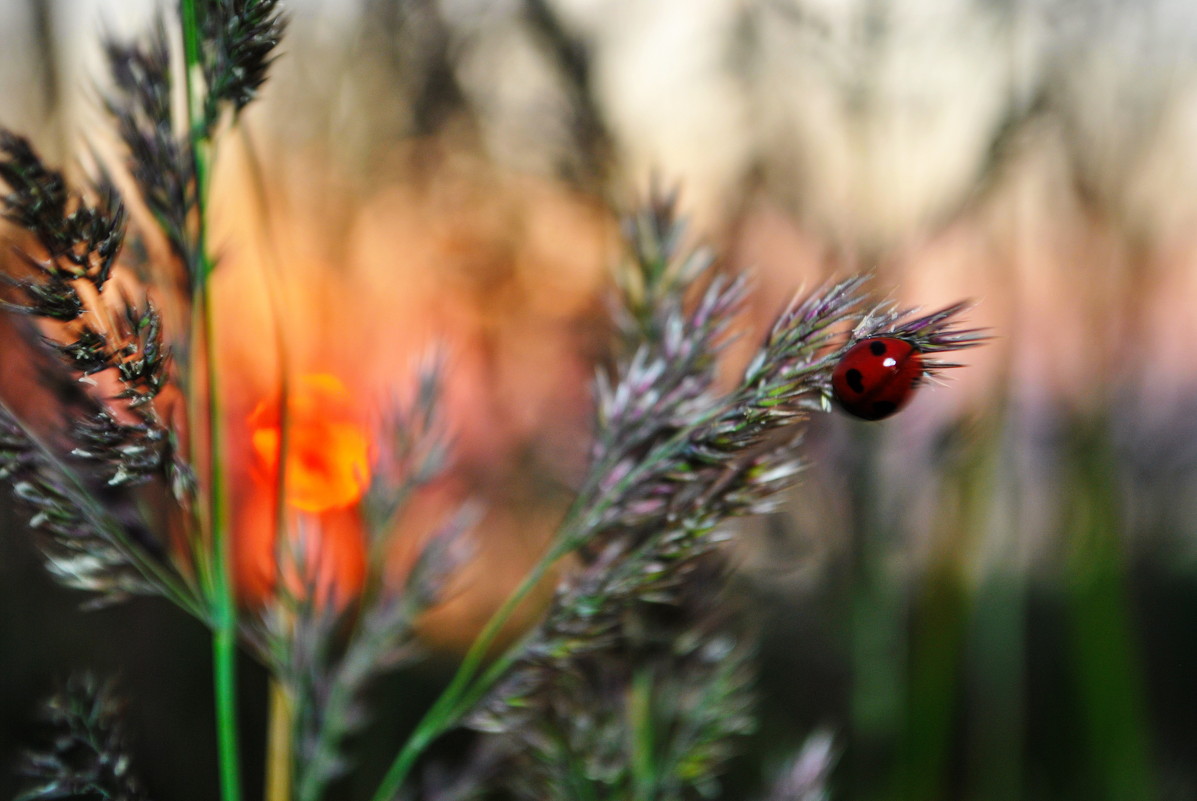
{"x":328,"y":459}
{"x":327,"y":471}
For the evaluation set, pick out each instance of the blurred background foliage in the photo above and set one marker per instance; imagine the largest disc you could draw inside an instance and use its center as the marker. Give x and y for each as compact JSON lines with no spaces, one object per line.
{"x":991,"y":596}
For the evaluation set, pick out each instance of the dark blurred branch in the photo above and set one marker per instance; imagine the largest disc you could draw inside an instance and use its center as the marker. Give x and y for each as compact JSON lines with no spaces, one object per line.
{"x":417,"y":49}
{"x":570,"y":55}
{"x":46,"y":51}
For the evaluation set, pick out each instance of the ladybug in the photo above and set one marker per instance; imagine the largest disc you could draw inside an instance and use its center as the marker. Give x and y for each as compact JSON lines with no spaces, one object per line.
{"x":877,"y":377}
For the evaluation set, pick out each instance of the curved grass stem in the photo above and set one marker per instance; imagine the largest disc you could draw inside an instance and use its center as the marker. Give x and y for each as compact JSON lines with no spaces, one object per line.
{"x":463,"y":692}
{"x":467,"y":687}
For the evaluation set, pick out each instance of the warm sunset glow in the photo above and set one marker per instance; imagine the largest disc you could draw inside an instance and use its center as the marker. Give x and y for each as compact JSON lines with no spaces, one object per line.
{"x":328,"y":460}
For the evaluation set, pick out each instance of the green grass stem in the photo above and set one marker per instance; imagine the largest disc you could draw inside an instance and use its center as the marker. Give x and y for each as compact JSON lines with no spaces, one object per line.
{"x":224,"y":611}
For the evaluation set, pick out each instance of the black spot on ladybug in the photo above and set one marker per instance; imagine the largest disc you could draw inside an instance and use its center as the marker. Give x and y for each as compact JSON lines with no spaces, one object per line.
{"x":855,"y":380}
{"x":877,"y":347}
{"x":884,"y":408}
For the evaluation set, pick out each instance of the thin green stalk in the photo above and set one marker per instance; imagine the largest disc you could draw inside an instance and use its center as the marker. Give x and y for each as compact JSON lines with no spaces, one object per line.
{"x":224,"y":653}
{"x":197,"y":132}
{"x":644,"y":768}
{"x":224,"y":611}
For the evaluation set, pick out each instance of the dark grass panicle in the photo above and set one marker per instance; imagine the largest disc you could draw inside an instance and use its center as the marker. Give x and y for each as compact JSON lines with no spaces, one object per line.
{"x":141,"y":103}
{"x":53,"y":297}
{"x":78,"y":240}
{"x":126,"y":454}
{"x":86,"y":752}
{"x":141,"y":359}
{"x":86,"y":545}
{"x":80,"y":243}
{"x":70,"y":239}
{"x":65,"y":483}
{"x":239,"y":42}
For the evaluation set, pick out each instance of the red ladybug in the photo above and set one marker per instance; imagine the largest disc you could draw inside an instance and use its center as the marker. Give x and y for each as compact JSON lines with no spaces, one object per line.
{"x":876,"y":377}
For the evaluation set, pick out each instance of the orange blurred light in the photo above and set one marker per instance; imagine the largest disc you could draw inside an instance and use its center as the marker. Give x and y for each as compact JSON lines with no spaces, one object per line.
{"x":328,"y":454}
{"x":327,"y":471}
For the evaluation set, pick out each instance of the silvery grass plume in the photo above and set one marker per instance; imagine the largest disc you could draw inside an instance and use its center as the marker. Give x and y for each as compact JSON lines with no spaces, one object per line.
{"x":85,"y":755}
{"x":674,"y":459}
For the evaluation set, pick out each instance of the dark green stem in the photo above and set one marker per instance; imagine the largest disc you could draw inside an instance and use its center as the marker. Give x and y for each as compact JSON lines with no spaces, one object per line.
{"x":644,"y":769}
{"x":224,"y":611}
